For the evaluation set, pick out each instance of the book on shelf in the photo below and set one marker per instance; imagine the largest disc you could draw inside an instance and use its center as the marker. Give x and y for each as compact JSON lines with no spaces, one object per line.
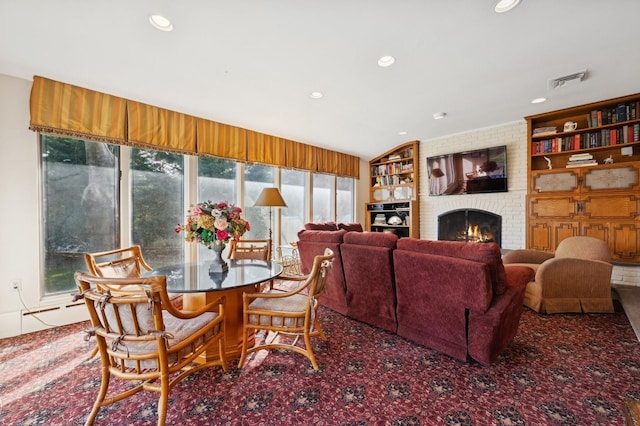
{"x":544,"y":131}
{"x":581,"y":164}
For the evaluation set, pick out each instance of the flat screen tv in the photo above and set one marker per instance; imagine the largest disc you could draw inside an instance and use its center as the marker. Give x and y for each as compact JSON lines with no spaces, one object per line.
{"x":468,"y":172}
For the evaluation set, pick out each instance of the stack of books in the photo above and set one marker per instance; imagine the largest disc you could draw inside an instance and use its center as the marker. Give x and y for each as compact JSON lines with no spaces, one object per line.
{"x":544,"y":131}
{"x":581,"y":160}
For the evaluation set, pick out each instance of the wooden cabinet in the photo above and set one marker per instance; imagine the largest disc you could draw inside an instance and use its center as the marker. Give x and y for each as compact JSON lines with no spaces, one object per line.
{"x":580,"y":194}
{"x":394,"y":178}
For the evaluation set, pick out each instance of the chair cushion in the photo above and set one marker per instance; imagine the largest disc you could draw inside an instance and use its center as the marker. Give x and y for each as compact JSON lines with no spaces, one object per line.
{"x":296,"y":303}
{"x":122,"y":268}
{"x":179,"y":329}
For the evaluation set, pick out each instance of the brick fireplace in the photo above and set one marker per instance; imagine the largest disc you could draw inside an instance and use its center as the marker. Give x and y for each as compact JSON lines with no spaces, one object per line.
{"x":470,"y":225}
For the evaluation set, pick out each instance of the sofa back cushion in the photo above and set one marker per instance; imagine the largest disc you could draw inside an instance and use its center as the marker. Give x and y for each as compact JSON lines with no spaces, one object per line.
{"x":313,"y":243}
{"x":350,"y":227}
{"x":367,"y":260}
{"x":380,"y":239}
{"x":488,"y":253}
{"x":321,"y":226}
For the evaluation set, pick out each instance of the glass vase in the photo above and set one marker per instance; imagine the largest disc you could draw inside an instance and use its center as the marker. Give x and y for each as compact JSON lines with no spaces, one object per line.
{"x":218,"y":265}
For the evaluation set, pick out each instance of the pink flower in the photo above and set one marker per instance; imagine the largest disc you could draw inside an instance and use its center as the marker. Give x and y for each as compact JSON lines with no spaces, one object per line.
{"x":221,"y":223}
{"x":222,"y":234}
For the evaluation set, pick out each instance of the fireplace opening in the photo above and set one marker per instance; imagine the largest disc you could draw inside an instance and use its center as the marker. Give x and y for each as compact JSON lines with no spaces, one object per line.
{"x":470,"y":225}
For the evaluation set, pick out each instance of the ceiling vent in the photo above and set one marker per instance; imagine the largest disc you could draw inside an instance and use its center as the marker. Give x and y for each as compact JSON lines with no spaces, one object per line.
{"x":567,"y":79}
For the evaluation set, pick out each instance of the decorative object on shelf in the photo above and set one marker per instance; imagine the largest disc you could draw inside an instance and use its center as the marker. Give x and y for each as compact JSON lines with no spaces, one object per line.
{"x":380,"y":219}
{"x":270,"y":197}
{"x":394,"y":220}
{"x":549,"y":162}
{"x":213,"y":225}
{"x":608,"y":160}
{"x":570,"y":126}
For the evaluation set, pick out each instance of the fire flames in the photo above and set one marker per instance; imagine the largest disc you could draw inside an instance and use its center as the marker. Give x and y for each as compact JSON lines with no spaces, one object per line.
{"x":475,"y":235}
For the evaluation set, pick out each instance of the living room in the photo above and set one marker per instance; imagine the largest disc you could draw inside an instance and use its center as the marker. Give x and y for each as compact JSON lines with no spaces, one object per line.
{"x":20,"y":162}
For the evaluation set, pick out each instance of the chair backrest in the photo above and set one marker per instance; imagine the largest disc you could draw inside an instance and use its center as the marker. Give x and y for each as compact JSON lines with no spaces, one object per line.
{"x":126,"y":316}
{"x":250,"y":249}
{"x":583,"y":247}
{"x":119,"y":263}
{"x":318,"y":277}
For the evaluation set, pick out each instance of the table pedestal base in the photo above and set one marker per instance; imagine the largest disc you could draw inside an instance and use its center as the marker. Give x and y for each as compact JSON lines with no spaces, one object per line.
{"x":233,"y":322}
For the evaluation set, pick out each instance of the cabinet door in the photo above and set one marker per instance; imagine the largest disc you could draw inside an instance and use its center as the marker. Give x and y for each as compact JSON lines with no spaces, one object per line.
{"x":622,"y":206}
{"x":558,"y":206}
{"x":545,"y":235}
{"x":562,"y":180}
{"x":625,"y":241}
{"x":611,"y":177}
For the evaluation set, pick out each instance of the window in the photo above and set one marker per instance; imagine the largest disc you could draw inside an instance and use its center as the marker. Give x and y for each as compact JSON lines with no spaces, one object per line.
{"x":157,"y":181}
{"x":322,"y":197}
{"x":216,"y":182}
{"x":256,"y":177}
{"x":82,"y":195}
{"x":79,"y":204}
{"x":294,"y":190}
{"x":345,"y":199}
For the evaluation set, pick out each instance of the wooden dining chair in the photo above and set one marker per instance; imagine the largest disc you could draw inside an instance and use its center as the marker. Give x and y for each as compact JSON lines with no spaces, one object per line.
{"x":250,"y":249}
{"x":125,"y":262}
{"x":143,"y":339}
{"x":292,"y":313}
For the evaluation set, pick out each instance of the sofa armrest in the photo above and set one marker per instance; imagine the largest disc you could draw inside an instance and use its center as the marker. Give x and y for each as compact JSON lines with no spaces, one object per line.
{"x":526,"y":256}
{"x":518,"y":276}
{"x":568,"y":277}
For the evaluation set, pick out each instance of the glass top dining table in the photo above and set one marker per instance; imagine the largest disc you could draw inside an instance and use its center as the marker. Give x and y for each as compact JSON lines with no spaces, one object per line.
{"x":195,"y":277}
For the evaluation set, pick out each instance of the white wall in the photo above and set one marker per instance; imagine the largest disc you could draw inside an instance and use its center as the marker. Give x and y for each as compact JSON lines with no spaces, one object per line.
{"x":20,"y":237}
{"x":510,"y":205}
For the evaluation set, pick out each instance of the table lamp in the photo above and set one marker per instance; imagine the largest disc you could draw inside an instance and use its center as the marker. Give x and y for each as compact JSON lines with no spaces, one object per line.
{"x":270,"y":197}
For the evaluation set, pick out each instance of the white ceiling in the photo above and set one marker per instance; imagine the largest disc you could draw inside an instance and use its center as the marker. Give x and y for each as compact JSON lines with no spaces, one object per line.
{"x":253,"y":63}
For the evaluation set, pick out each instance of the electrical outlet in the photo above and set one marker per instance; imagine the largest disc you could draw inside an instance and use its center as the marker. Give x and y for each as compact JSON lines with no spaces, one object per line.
{"x":16,"y":285}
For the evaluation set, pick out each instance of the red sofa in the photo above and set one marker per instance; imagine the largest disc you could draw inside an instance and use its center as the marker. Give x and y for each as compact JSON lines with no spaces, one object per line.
{"x":458,"y":298}
{"x":455,"y":297}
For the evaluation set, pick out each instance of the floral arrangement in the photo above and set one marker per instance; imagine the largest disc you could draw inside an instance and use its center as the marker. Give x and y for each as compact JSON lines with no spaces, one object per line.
{"x":209,"y":222}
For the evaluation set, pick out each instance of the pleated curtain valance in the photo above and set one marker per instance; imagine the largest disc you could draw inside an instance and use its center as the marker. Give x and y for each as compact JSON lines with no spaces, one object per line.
{"x":73,"y":111}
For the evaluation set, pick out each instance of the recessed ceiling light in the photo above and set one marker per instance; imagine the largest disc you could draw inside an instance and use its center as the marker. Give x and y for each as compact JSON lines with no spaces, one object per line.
{"x":505,"y":5}
{"x":538,"y":100}
{"x":316,"y":95}
{"x":403,"y":132}
{"x":439,"y":115}
{"x":386,"y":61}
{"x":160,"y":22}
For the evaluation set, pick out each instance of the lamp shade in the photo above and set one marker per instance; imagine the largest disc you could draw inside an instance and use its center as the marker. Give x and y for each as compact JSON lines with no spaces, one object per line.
{"x":270,"y":197}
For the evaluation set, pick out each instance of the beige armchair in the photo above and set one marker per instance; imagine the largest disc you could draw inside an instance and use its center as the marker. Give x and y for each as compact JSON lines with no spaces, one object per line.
{"x":577,"y":278}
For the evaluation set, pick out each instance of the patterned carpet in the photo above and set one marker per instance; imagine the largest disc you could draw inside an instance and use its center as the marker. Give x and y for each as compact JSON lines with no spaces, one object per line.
{"x":560,"y":370}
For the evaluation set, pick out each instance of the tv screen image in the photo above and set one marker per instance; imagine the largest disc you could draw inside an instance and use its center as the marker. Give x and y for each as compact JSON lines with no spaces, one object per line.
{"x":468,"y":172}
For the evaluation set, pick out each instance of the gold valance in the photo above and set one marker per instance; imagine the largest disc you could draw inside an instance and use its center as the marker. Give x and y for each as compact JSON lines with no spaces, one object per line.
{"x":221,"y":140}
{"x":73,"y":111}
{"x":266,"y":149}
{"x":76,"y":112}
{"x":160,"y":128}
